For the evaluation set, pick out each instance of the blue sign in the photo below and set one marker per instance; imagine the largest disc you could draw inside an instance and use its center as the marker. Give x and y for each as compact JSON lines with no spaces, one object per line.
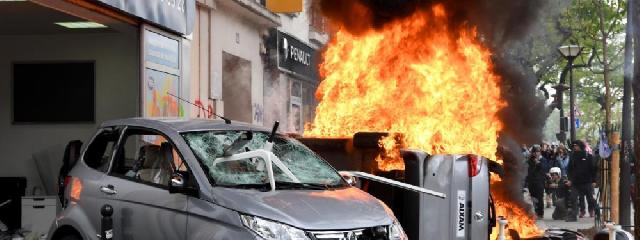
{"x":162,"y":50}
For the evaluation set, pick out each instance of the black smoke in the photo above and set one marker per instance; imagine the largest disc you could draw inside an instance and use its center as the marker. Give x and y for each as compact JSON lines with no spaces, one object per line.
{"x":498,"y":21}
{"x":512,"y":175}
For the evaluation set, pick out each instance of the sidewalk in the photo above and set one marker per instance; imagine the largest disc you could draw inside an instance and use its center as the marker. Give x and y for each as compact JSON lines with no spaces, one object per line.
{"x":548,"y":222}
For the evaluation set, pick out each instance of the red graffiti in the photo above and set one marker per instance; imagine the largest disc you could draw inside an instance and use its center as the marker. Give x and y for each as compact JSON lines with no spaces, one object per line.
{"x":210,"y":110}
{"x":207,"y":112}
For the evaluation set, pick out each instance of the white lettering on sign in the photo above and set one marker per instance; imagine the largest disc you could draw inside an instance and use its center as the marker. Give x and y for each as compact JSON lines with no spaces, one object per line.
{"x":300,"y":56}
{"x":177,"y":4}
{"x":462,"y":208}
{"x":295,"y":53}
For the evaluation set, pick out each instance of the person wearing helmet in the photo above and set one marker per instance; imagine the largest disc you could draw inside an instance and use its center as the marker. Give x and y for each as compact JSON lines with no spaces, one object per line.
{"x":553,"y":182}
{"x":561,"y":193}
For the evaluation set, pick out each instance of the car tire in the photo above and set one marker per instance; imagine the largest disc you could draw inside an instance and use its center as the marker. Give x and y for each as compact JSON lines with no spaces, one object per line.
{"x":71,"y":237}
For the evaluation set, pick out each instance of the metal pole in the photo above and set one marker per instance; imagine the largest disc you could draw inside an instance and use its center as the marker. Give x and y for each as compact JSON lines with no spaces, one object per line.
{"x":562,"y":135}
{"x":572,"y":101}
{"x":612,"y":230}
{"x":502,"y":223}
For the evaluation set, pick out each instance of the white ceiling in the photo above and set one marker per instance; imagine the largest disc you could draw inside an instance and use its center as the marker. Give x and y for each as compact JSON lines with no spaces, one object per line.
{"x":24,"y":17}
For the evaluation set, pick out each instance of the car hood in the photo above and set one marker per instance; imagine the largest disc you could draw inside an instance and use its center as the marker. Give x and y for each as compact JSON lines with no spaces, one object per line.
{"x":339,"y":209}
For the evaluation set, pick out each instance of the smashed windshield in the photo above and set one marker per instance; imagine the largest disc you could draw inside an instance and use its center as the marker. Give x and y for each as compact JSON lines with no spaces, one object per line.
{"x":303,"y":163}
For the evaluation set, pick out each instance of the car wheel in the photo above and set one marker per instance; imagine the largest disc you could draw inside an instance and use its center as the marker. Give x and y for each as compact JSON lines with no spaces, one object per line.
{"x":70,"y":237}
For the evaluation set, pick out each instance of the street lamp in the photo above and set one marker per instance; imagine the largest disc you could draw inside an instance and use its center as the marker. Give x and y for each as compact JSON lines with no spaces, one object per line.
{"x":570,"y":52}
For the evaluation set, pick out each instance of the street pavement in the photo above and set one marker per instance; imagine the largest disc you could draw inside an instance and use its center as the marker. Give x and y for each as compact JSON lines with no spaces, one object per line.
{"x":582,"y":224}
{"x":548,"y":222}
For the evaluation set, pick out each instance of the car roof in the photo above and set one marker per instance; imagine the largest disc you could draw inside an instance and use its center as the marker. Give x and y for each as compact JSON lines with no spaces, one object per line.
{"x":183,"y":124}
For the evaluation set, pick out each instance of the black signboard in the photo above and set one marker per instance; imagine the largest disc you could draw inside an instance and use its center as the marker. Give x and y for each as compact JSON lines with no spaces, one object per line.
{"x":296,"y":57}
{"x":177,"y":15}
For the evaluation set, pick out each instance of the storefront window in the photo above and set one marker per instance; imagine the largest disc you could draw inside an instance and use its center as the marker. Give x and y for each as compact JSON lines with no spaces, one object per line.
{"x":303,"y":104}
{"x":295,"y":115}
{"x":308,"y":102}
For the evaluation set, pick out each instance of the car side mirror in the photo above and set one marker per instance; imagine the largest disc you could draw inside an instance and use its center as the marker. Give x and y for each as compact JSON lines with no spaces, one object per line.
{"x":349,"y":178}
{"x":177,"y":180}
{"x":178,"y":184}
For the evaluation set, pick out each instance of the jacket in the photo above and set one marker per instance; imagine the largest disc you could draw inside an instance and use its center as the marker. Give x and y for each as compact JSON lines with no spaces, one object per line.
{"x":581,"y":168}
{"x":537,"y":172}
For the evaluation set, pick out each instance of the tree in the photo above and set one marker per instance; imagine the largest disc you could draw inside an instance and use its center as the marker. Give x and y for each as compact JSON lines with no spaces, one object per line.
{"x":599,"y":25}
{"x":573,"y":22}
{"x":602,"y":35}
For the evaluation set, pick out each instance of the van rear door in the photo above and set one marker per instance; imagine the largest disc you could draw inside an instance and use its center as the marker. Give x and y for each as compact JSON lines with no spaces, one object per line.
{"x":479,"y":216}
{"x":464,"y":213}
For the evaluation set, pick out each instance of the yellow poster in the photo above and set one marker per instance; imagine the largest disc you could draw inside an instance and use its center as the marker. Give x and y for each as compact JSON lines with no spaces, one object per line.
{"x":284,"y":6}
{"x":158,"y":90}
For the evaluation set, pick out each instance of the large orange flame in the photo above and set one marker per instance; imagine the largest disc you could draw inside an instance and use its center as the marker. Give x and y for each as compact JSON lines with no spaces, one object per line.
{"x":433,"y":85}
{"x":411,"y":78}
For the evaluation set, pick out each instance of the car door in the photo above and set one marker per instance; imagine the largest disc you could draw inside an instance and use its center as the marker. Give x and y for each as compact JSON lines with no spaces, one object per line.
{"x":139,"y":178}
{"x":85,"y":181}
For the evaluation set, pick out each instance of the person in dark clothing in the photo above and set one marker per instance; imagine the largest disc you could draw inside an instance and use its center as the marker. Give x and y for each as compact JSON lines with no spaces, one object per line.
{"x":553,"y":181}
{"x":536,"y":180}
{"x":548,"y":165}
{"x":562,"y":195}
{"x":548,"y":156}
{"x":582,"y":174}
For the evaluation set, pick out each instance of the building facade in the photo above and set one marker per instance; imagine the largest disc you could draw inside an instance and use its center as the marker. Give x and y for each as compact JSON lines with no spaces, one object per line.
{"x":243,"y":69}
{"x":67,"y":66}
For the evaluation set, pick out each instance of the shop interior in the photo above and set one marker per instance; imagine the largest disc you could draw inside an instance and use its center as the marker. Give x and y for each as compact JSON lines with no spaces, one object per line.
{"x":64,"y":68}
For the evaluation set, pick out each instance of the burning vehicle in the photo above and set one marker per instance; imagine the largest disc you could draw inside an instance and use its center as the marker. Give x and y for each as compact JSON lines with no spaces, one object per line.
{"x":467,"y":213}
{"x":430,"y":74}
{"x":201,"y":179}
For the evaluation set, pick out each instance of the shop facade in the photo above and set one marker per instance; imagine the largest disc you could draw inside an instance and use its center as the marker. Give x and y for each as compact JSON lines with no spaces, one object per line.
{"x":239,"y":70}
{"x":228,"y":55}
{"x":291,"y":75}
{"x":67,"y":66}
{"x":103,"y":59}
{"x":292,"y":82}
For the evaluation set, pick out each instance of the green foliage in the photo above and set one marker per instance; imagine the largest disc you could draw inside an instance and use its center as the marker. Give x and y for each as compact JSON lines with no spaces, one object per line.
{"x":577,"y":22}
{"x":593,"y":23}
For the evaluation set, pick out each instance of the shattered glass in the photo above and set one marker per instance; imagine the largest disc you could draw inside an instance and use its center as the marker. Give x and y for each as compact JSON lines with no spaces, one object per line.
{"x":303,"y":163}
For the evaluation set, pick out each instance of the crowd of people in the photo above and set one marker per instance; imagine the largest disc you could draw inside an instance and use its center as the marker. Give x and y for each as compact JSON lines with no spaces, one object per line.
{"x":562,"y":177}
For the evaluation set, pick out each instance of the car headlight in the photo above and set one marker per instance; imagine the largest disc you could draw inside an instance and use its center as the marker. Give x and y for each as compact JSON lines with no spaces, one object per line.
{"x":396,"y":232}
{"x":270,"y":230}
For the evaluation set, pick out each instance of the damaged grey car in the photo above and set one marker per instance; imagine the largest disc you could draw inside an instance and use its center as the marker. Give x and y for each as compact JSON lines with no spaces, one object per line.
{"x":210,"y":179}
